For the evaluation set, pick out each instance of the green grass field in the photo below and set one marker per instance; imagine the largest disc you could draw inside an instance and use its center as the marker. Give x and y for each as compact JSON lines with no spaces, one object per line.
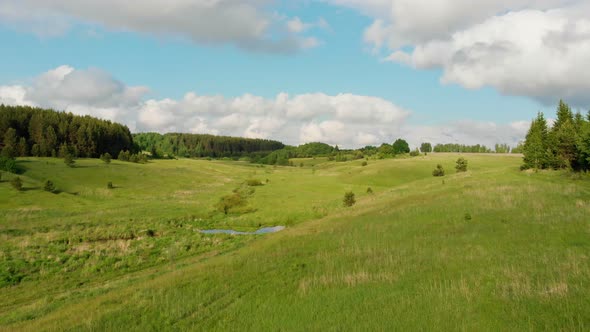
{"x":490,"y":249}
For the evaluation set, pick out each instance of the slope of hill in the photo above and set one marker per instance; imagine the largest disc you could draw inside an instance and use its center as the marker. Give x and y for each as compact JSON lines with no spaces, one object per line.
{"x":490,"y":249}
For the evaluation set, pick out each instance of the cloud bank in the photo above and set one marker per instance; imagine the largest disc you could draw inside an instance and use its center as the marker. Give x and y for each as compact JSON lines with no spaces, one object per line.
{"x":252,"y":25}
{"x":345,"y":119}
{"x":534,"y":48}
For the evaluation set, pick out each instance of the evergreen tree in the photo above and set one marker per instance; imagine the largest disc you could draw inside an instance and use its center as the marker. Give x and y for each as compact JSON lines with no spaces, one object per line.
{"x":583,"y":146}
{"x":63,"y":151}
{"x":461,"y":165}
{"x":349,"y":199}
{"x":565,"y":138}
{"x":49,"y":186}
{"x":35,"y":150}
{"x":535,"y":147}
{"x":10,"y":142}
{"x":562,"y":139}
{"x":50,"y":142}
{"x":438,"y":171}
{"x":22,"y":147}
{"x":564,"y":113}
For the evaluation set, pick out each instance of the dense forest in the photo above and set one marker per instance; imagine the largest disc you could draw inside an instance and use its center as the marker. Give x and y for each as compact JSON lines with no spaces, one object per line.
{"x":566,"y":145}
{"x":29,"y":131}
{"x":200,"y":145}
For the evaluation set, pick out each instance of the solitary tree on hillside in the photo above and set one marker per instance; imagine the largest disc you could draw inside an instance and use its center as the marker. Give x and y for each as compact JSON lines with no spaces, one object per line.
{"x":49,"y":186}
{"x":438,"y":171}
{"x":401,"y":146}
{"x":461,"y":165}
{"x":349,"y":199}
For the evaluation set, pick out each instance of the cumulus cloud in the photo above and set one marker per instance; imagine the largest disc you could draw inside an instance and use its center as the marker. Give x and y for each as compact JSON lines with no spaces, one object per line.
{"x":534,"y":48}
{"x":251,"y":24}
{"x":347,"y":120}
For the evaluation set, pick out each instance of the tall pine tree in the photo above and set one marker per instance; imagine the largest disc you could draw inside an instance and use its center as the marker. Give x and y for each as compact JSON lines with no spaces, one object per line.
{"x":535,"y":146}
{"x":563,"y":137}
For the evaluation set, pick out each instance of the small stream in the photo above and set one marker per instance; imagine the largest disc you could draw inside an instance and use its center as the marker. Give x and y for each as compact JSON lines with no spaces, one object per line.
{"x":265,"y":230}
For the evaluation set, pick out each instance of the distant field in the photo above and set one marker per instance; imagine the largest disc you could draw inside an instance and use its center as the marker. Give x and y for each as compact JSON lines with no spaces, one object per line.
{"x":491,"y":249}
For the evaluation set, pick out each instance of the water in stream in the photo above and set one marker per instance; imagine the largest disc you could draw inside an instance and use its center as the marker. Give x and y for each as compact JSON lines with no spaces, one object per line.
{"x":264,"y":230}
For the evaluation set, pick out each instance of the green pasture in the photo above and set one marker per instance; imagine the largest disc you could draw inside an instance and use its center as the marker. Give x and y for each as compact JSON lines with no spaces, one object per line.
{"x":490,"y":249}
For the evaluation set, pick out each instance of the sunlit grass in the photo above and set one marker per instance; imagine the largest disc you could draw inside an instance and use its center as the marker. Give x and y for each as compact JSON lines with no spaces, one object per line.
{"x":490,"y":249}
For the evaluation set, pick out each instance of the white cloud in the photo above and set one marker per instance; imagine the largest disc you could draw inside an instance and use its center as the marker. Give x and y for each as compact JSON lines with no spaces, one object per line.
{"x":296,"y":25}
{"x":251,"y":24}
{"x":61,"y":87}
{"x":344,"y":119}
{"x":468,"y":132}
{"x":534,"y":48}
{"x":14,"y":95}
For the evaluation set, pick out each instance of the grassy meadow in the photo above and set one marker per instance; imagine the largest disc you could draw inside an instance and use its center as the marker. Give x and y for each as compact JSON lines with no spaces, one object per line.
{"x":490,"y":249}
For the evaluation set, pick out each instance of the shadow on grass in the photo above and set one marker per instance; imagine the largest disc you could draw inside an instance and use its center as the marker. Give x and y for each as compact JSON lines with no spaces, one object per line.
{"x":30,"y":188}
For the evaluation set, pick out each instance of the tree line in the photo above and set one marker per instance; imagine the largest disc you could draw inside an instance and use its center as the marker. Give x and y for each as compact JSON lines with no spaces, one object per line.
{"x":30,"y":131}
{"x":203,"y":145}
{"x":564,"y":145}
{"x":462,"y":148}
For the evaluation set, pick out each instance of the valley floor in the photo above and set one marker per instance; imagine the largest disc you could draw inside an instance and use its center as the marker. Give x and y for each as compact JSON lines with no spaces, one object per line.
{"x":490,"y":249}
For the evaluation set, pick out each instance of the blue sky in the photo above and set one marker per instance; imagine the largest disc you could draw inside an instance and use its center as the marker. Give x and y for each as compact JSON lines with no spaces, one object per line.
{"x":333,"y":64}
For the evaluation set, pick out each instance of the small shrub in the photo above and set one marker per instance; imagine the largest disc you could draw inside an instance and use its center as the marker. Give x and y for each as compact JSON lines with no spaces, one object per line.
{"x":229,"y":202}
{"x":254,"y":183}
{"x":461,"y":165}
{"x":69,"y":160}
{"x":123,"y":155}
{"x":49,"y":186}
{"x":467,"y":216}
{"x":142,"y":158}
{"x":438,"y":171}
{"x":8,"y":164}
{"x":364,"y":163}
{"x":106,"y":158}
{"x":369,"y":191}
{"x":415,"y":153}
{"x":17,"y":183}
{"x":110,"y":185}
{"x":349,"y":199}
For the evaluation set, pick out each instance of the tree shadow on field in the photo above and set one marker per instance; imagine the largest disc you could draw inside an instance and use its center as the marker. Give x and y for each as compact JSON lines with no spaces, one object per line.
{"x":30,"y":188}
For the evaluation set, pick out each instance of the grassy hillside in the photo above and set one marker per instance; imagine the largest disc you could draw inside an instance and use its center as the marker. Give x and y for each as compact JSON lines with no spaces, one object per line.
{"x":490,"y":249}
